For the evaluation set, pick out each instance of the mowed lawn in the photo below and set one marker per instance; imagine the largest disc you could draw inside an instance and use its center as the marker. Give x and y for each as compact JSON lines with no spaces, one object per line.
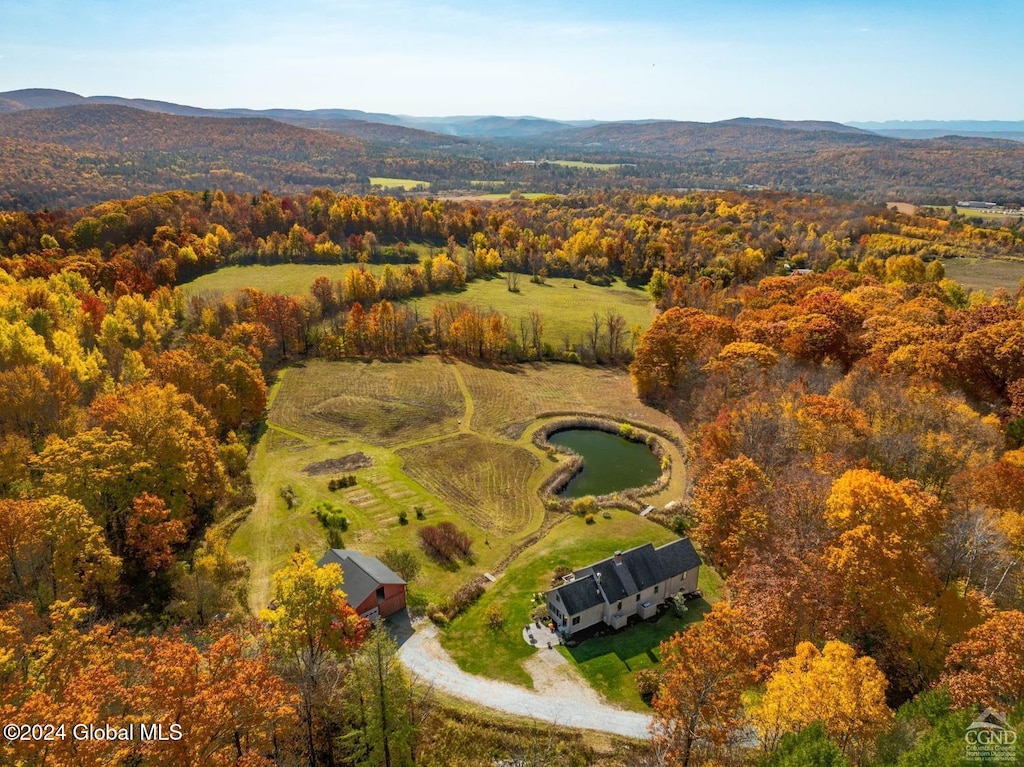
{"x":567,"y":305}
{"x":985,"y":273}
{"x":607,"y":663}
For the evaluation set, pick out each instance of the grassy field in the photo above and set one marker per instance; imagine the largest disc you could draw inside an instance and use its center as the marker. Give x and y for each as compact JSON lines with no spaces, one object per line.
{"x":567,"y":310}
{"x":483,"y":480}
{"x":508,"y":399}
{"x":985,"y":273}
{"x":450,"y":438}
{"x":407,"y":184}
{"x":991,"y":216}
{"x":586,"y":165}
{"x":286,"y":279}
{"x":381,"y":403}
{"x":509,"y":196}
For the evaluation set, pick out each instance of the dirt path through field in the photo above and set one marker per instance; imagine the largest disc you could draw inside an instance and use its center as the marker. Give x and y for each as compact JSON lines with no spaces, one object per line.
{"x":466,"y":424}
{"x":560,"y":699}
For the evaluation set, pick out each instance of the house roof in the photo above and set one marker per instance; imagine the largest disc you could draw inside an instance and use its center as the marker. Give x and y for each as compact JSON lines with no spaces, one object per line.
{"x":580,"y":594}
{"x":363,"y":575}
{"x":640,"y":569}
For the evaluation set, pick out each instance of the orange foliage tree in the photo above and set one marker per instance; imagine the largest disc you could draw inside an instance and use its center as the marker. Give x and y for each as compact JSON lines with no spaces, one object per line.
{"x":704,"y":672}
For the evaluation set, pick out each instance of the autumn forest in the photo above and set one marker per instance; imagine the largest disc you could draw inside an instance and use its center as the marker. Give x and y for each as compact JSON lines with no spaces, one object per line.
{"x":852,"y":422}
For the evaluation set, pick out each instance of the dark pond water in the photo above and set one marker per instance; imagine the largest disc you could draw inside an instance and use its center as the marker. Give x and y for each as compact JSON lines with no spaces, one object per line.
{"x":610,"y":463}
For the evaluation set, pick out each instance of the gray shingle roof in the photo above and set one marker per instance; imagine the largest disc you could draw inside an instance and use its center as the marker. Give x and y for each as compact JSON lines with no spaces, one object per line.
{"x":363,"y":574}
{"x":641,"y":568}
{"x":579,"y":595}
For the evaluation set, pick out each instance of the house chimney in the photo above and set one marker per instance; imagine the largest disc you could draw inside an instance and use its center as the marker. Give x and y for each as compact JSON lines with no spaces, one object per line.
{"x":618,"y":557}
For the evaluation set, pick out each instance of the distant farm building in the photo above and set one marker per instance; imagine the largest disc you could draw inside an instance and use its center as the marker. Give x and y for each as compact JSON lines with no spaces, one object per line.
{"x":634,"y":582}
{"x":977,"y":204}
{"x":371,"y":587}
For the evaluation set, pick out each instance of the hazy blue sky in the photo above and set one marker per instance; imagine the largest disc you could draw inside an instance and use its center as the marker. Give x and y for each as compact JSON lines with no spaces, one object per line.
{"x":678,"y":59}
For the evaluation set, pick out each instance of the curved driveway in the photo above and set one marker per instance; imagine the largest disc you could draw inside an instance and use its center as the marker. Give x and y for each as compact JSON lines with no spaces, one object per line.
{"x":423,"y":655}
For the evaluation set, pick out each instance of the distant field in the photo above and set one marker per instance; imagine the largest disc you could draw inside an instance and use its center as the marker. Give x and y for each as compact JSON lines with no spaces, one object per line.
{"x":398,"y":183}
{"x":973,"y":213}
{"x":508,"y":195}
{"x":587,"y":165}
{"x":567,"y":311}
{"x":985,"y":273}
{"x":286,"y":279}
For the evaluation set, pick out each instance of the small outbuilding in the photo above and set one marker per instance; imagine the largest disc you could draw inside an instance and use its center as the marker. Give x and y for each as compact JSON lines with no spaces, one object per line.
{"x":372,"y":588}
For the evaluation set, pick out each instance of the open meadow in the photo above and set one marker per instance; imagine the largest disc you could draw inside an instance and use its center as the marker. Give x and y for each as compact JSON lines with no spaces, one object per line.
{"x":285,"y":279}
{"x":408,"y":184}
{"x":448,"y":438}
{"x":985,"y":273}
{"x":567,"y":305}
{"x":585,"y":165}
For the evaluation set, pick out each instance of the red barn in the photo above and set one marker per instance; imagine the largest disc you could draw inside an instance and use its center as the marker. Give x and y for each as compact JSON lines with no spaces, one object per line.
{"x":370,"y":587}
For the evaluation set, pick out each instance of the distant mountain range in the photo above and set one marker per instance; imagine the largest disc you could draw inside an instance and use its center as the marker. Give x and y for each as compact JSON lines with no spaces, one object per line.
{"x":463,"y":126}
{"x":59,"y":149}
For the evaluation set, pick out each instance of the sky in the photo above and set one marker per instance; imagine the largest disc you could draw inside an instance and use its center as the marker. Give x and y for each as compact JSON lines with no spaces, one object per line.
{"x":846,"y":60}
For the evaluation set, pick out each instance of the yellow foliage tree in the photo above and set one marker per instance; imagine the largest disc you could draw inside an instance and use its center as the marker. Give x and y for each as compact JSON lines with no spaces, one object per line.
{"x":832,"y":686}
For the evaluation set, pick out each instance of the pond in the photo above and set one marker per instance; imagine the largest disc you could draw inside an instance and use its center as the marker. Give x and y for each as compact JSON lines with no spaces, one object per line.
{"x":610,"y":462}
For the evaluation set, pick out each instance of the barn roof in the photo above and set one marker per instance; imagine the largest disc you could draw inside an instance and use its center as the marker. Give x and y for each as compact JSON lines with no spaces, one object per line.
{"x":362,"y":574}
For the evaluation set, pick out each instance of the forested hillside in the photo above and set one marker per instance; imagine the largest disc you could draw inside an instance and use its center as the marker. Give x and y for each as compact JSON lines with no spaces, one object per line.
{"x":60,"y":150}
{"x":854,"y":424}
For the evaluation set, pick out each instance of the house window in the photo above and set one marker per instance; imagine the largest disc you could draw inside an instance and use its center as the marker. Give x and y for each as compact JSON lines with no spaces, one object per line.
{"x":575,"y":620}
{"x":656,"y":589}
{"x":380,"y":594}
{"x":620,"y":606}
{"x":637,"y":597}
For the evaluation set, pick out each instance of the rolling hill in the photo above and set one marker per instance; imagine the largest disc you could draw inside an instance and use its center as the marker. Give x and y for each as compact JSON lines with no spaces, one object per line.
{"x":76,"y":154}
{"x":60,"y":149}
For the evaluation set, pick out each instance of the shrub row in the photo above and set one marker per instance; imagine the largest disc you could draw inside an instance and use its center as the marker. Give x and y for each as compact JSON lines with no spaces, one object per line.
{"x":468,"y":593}
{"x":340,"y":483}
{"x":445,"y":542}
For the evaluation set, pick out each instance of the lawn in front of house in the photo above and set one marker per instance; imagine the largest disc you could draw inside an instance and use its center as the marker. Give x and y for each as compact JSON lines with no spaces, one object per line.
{"x":498,"y":652}
{"x":609,"y":662}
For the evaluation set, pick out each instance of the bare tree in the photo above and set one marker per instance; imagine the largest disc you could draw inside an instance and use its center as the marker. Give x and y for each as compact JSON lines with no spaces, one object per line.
{"x":512,"y":281}
{"x":594,"y":334}
{"x":536,"y":331}
{"x":615,"y":328}
{"x":524,"y":332}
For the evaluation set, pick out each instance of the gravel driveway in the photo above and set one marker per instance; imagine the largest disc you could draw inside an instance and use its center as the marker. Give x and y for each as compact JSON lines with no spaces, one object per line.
{"x":423,"y":655}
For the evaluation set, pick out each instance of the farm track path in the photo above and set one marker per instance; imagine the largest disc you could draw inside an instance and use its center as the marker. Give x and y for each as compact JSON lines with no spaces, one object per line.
{"x":569,"y":703}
